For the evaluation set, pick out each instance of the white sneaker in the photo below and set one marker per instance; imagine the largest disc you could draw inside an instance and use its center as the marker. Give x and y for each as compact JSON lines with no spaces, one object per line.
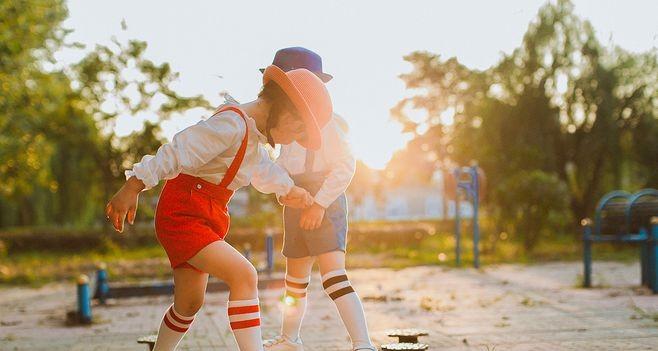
{"x":281,"y":343}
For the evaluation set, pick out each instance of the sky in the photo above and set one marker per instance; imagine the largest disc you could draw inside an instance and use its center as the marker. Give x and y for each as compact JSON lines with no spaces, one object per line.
{"x":219,"y":46}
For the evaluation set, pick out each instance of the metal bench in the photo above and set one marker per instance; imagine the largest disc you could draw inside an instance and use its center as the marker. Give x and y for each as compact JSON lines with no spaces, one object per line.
{"x":409,"y":335}
{"x":628,"y":218}
{"x":407,"y":339}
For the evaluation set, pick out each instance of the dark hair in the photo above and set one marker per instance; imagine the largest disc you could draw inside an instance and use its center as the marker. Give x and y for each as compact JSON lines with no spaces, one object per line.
{"x":278,"y":101}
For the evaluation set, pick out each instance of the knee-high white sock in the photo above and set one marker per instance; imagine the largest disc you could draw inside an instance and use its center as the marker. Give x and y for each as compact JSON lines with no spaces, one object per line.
{"x":172,"y":329}
{"x":294,"y":306}
{"x":244,"y":316}
{"x":339,"y":289}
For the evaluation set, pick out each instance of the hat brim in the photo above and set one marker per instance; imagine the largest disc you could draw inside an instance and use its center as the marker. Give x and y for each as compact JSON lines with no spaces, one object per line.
{"x":325,"y":77}
{"x":313,"y":135}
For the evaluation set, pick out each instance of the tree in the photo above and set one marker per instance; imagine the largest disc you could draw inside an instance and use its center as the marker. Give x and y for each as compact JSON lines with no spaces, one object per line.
{"x":106,"y":92}
{"x":560,"y":104}
{"x":59,"y":156}
{"x":26,"y":94}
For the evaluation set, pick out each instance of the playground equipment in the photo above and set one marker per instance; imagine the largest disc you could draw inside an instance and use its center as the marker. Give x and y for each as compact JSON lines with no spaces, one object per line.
{"x":81,"y":316}
{"x":629,"y":218}
{"x":407,"y":339}
{"x":103,"y":290}
{"x":468,"y":181}
{"x":102,"y":287}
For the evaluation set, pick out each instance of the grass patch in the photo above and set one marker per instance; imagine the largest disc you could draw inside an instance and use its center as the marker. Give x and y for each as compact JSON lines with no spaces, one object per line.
{"x":639,"y":313}
{"x":392,"y":245}
{"x":37,"y":268}
{"x":440,"y":249}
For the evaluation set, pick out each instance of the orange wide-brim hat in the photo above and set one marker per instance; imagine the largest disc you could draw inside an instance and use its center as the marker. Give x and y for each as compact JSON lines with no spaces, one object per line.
{"x":309,"y":95}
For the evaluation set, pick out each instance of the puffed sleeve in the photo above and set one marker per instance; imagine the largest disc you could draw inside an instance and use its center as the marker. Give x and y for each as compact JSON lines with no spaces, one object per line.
{"x":190,"y":149}
{"x":270,"y":177}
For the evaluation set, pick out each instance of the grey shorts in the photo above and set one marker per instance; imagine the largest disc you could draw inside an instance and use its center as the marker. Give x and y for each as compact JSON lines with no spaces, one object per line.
{"x":331,"y":236}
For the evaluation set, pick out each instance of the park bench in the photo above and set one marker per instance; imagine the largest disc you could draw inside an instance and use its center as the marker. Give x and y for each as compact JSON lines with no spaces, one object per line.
{"x":625,"y":218}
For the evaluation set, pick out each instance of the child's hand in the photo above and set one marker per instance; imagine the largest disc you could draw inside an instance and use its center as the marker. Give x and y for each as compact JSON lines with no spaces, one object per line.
{"x":312,"y":217}
{"x":124,"y":203}
{"x":297,"y":198}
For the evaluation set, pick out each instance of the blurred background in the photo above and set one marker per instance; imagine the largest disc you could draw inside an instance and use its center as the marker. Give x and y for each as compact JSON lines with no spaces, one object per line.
{"x":555,"y":101}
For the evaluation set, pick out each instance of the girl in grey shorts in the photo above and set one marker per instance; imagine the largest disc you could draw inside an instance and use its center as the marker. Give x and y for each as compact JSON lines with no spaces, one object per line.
{"x":318,"y":231}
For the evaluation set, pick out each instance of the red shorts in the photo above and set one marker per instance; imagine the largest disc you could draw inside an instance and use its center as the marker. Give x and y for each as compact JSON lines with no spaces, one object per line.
{"x":191,"y":214}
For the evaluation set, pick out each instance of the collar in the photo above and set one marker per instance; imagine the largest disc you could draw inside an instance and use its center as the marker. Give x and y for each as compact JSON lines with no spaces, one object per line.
{"x":252,"y":127}
{"x":229,"y":100}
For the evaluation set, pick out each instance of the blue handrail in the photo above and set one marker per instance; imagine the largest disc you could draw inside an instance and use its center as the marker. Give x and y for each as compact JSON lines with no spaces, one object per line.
{"x":617,"y":194}
{"x":633,"y":199}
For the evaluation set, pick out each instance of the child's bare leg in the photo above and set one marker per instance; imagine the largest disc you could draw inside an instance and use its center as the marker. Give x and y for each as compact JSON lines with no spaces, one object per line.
{"x":189,"y":290}
{"x":299,"y":267}
{"x":298,"y":275}
{"x":338,"y":287}
{"x":226,"y":263}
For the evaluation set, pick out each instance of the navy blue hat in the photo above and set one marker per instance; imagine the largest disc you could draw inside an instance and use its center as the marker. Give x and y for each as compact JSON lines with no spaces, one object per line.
{"x":289,"y":59}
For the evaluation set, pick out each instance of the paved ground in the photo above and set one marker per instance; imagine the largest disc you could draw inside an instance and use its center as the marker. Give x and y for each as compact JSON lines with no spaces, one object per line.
{"x":508,"y":307}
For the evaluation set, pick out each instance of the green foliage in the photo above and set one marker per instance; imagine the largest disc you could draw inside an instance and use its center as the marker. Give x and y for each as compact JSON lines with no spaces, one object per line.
{"x":59,"y":156}
{"x":532,"y":205}
{"x":561,"y":109}
{"x":29,"y":33}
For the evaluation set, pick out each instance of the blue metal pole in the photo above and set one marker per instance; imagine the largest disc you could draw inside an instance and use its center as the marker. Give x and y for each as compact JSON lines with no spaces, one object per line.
{"x":458,"y":260}
{"x":84,"y":300}
{"x":457,"y":230}
{"x":247,"y":251}
{"x":476,"y":224}
{"x":645,"y":252}
{"x":102,"y":286}
{"x":587,"y":252}
{"x":269,"y":246}
{"x":652,"y":267}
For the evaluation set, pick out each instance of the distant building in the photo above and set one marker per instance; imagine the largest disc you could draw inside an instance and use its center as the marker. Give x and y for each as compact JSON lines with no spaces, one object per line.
{"x":408,"y":203}
{"x":412,"y":202}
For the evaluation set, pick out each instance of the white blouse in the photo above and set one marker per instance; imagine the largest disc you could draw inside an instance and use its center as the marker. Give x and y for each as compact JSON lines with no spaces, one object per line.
{"x":206,"y":150}
{"x":335,"y":157}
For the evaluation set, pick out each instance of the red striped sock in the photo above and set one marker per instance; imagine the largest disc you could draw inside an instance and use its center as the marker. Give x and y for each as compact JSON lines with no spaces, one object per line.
{"x":172,"y":329}
{"x":244,"y":316}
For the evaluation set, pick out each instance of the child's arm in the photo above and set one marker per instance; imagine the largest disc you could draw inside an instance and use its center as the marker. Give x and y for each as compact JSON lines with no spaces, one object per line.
{"x":270,"y":177}
{"x":342,"y":165}
{"x":189,"y":149}
{"x":124,"y":203}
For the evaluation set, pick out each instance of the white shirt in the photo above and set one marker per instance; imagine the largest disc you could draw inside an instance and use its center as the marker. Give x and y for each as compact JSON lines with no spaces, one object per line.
{"x":335,"y":156}
{"x":206,"y":150}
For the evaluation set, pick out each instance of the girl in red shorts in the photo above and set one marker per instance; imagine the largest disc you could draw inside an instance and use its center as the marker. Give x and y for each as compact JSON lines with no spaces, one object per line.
{"x":204,"y":165}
